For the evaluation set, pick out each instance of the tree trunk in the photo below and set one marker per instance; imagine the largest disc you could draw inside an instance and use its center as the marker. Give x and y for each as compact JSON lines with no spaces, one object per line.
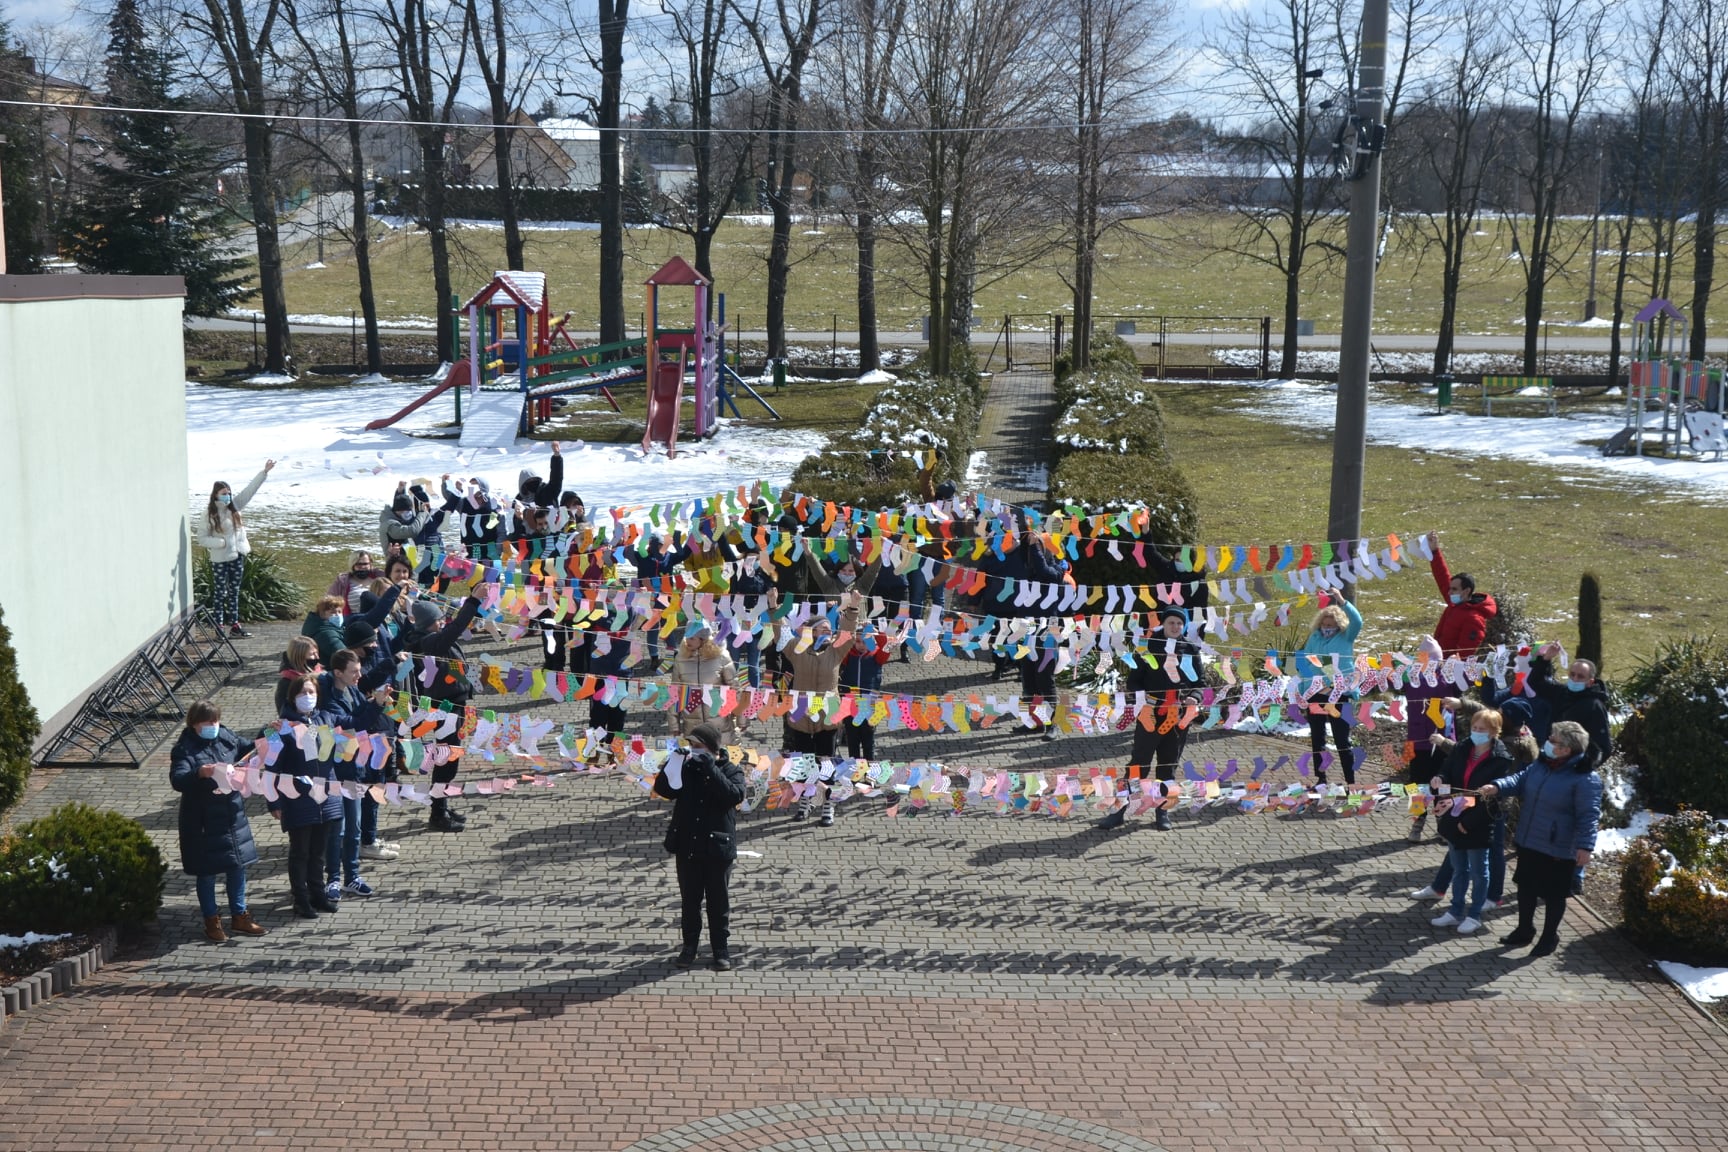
{"x":869,"y":349}
{"x":260,"y":181}
{"x":1535,"y":285}
{"x":432,"y":170}
{"x":363,"y":250}
{"x":1703,"y":273}
{"x":513,"y":258}
{"x":613,"y":14}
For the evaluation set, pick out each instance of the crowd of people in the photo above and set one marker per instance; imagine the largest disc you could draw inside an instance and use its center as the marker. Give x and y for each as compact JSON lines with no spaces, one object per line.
{"x":1539,"y":741}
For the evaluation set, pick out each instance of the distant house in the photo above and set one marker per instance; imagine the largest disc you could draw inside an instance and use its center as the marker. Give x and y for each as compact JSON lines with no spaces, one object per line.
{"x":68,"y":144}
{"x":670,"y":179}
{"x":551,"y":153}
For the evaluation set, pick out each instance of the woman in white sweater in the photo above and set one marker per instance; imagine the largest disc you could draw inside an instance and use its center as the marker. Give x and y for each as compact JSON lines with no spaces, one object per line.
{"x":224,"y":534}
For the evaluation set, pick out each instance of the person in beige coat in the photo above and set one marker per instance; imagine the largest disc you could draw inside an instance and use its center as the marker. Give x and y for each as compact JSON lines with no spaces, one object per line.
{"x":701,"y":663}
{"x":817,"y":670}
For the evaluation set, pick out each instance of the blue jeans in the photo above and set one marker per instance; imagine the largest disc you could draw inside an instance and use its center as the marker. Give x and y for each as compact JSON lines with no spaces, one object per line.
{"x":1496,"y":865}
{"x":342,"y":843}
{"x":1469,"y":871}
{"x":236,"y":893}
{"x":753,"y":660}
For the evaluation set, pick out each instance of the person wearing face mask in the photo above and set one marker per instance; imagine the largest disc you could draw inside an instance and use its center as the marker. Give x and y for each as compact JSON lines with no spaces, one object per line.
{"x":704,"y":787}
{"x":1515,"y":734}
{"x":215,"y":836}
{"x":304,"y":819}
{"x":430,"y":635}
{"x":846,"y":577}
{"x":1557,"y":825}
{"x":862,"y":673}
{"x":349,"y":696}
{"x":324,"y":623}
{"x":402,"y":522}
{"x":817,"y":670}
{"x":352,"y":584}
{"x":1463,"y":622}
{"x":699,"y":664}
{"x":476,"y":516}
{"x":1469,"y":834}
{"x":654,"y":566}
{"x":1580,"y":698}
{"x":1167,"y":667}
{"x":377,"y":667}
{"x":224,"y":535}
{"x":1333,"y":636}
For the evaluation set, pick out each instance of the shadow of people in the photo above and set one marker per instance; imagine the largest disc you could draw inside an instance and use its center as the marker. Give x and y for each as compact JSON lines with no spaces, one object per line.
{"x":548,"y":1001}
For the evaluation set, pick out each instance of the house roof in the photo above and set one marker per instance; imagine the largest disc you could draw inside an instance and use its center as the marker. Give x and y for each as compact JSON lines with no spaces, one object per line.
{"x":569,"y":129}
{"x":677,"y":271}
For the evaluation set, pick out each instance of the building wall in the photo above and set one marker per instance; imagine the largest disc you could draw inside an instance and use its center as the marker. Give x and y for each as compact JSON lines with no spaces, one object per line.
{"x":93,"y":467}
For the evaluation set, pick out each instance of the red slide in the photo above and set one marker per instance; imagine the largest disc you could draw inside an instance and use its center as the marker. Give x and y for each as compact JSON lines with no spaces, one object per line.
{"x":458,"y":375}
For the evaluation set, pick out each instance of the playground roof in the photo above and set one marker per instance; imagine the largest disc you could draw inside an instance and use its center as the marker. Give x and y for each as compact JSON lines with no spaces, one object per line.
{"x":1649,"y":311}
{"x":677,"y":271}
{"x":527,"y":289}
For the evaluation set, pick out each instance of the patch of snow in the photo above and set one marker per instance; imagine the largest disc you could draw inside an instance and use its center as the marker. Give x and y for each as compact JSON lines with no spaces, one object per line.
{"x":1558,"y":442}
{"x":29,"y":939}
{"x":1594,"y":322}
{"x":1704,"y":985}
{"x":375,"y":378}
{"x":315,"y":266}
{"x":977,"y":467}
{"x":1613,"y":840}
{"x":877,"y":376}
{"x":272,"y":379}
{"x":322,"y":320}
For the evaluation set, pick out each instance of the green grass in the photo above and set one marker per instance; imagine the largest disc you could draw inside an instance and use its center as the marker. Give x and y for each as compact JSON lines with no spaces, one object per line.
{"x":1513,"y":525}
{"x":1172,"y":265}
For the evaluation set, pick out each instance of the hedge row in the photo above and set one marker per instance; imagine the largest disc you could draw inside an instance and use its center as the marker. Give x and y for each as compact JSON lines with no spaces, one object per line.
{"x":919,"y":411}
{"x":1112,"y":451}
{"x":480,"y":202}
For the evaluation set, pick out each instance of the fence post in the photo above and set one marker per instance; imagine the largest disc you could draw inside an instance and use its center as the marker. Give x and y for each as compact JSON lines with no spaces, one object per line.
{"x":1265,"y":346}
{"x":834,"y":341}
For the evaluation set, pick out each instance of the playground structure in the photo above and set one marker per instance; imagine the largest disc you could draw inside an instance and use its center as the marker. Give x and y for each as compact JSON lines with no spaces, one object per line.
{"x":513,"y":343}
{"x":1661,"y":379}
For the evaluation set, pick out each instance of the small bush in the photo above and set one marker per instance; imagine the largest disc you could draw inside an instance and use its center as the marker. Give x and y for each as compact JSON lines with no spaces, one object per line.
{"x":1682,"y":733}
{"x":914,"y":412}
{"x":266,"y":592}
{"x":1511,"y":625}
{"x":19,"y":726}
{"x":1674,"y":890}
{"x":78,"y":869}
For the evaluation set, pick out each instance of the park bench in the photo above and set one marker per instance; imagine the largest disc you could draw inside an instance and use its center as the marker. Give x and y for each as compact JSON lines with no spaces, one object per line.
{"x":1519,"y":390}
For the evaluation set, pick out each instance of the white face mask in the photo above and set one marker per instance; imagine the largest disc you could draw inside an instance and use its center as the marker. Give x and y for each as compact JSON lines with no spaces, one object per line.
{"x":846,"y":579}
{"x":306,"y":701}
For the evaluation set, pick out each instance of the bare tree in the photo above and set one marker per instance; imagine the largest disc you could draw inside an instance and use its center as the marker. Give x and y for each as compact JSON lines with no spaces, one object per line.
{"x":429,"y":64}
{"x":329,"y":36}
{"x":784,"y":37}
{"x":859,"y":72}
{"x":491,"y":39}
{"x":1277,"y":60}
{"x":1113,"y":61}
{"x":1455,"y":128}
{"x":1561,"y":54}
{"x":1701,"y":54}
{"x":243,"y":33}
{"x":614,"y":17}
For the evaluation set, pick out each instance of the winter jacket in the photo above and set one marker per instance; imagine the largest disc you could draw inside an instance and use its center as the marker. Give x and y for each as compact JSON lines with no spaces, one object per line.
{"x":328,"y":635}
{"x":863,"y":665}
{"x":1342,"y":644}
{"x":215,"y":835}
{"x":545,"y":493}
{"x":450,"y":681}
{"x":355,"y":710}
{"x":1474,"y":827}
{"x":703,"y":826}
{"x":657,"y":560}
{"x":1587,"y":707}
{"x":827,"y":583}
{"x":302,"y":811}
{"x":1562,"y":805}
{"x":394,"y":530}
{"x":701,"y":672}
{"x":1168,"y":675}
{"x":477,"y":517}
{"x":818,"y":670}
{"x":1462,"y":627}
{"x":228,"y":541}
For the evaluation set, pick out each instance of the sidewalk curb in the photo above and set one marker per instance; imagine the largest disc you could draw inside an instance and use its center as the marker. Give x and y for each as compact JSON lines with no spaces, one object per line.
{"x":58,"y":978}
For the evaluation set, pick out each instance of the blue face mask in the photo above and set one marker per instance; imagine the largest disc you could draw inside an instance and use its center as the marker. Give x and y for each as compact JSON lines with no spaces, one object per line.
{"x":1456,"y":598}
{"x":209,"y":731}
{"x":1328,"y":633}
{"x":1481,"y":737}
{"x":225,"y":498}
{"x":336,"y":620}
{"x":1576,"y":685}
{"x":1549,"y":750}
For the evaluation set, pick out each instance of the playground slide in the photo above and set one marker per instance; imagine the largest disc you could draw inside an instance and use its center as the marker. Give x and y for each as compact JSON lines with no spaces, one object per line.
{"x":458,"y":375}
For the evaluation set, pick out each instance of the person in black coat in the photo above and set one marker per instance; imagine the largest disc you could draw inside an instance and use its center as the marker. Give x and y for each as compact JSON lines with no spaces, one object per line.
{"x":430,"y":635}
{"x":1177,"y":660}
{"x":304,"y":819}
{"x":215,"y":836}
{"x":1580,"y":699}
{"x":656,"y":562}
{"x":1038,"y":671}
{"x":702,"y":837}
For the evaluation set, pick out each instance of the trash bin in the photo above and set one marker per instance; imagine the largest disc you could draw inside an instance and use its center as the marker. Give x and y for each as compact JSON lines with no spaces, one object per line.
{"x":1442,"y":391}
{"x":779,"y":373}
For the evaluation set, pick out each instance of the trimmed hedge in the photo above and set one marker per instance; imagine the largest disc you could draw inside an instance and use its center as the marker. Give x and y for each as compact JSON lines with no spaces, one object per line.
{"x":78,"y":869}
{"x":1112,"y":451}
{"x":1680,"y":739}
{"x":918,"y":411}
{"x":1674,"y":890}
{"x":480,"y":202}
{"x":19,"y":725}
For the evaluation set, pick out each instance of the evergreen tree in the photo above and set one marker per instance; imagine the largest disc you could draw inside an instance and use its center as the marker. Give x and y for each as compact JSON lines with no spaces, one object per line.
{"x":152,"y":209}
{"x":21,"y":165}
{"x":18,"y":724}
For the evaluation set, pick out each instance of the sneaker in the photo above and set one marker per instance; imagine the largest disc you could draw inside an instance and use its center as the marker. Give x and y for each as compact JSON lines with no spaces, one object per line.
{"x":722,"y":962}
{"x":1468,"y":925}
{"x":238,"y":632}
{"x":1425,"y":894}
{"x":1444,"y":920}
{"x":802,"y":812}
{"x":1493,"y":905}
{"x":358,"y":887}
{"x":1415,"y":836}
{"x":333,"y":891}
{"x":827,"y":820}
{"x":378,"y":851}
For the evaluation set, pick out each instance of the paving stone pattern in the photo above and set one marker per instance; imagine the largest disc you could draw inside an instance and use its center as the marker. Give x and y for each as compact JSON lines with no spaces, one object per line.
{"x":920,"y":983}
{"x":1015,"y":435}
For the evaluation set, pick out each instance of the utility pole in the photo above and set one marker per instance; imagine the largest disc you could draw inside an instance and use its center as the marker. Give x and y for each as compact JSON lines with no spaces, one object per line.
{"x":2,"y":221}
{"x":1350,"y":424}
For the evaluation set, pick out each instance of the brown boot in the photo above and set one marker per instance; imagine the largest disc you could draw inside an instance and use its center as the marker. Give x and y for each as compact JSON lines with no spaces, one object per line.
{"x":213,"y":930}
{"x":244,"y":925}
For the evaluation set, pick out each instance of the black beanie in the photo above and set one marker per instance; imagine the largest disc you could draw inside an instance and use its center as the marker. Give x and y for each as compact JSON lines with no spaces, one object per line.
{"x":358,"y":633}
{"x":402,"y":503}
{"x":707,"y":735}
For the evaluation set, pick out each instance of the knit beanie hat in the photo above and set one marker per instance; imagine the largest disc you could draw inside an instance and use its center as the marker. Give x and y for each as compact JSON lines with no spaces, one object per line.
{"x":358,"y":633}
{"x":402,"y":503}
{"x":706,"y":735}
{"x":425,"y":615}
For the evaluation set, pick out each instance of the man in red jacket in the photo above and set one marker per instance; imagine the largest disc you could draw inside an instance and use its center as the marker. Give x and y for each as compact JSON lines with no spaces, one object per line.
{"x":1464,"y":621}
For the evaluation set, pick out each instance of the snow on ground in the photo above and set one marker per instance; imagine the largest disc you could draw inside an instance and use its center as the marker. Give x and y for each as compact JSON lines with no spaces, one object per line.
{"x":1558,"y":442}
{"x":325,"y":321}
{"x":1705,"y":985}
{"x":8,"y":943}
{"x":333,"y":476}
{"x":1612,"y":840}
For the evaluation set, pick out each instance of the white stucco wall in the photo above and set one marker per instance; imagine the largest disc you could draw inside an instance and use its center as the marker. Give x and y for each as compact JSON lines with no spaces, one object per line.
{"x":93,"y":471}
